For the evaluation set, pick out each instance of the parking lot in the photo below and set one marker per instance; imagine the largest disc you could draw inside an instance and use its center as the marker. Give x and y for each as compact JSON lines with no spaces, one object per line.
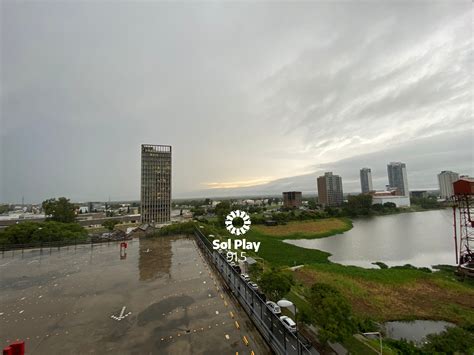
{"x":155,"y":297}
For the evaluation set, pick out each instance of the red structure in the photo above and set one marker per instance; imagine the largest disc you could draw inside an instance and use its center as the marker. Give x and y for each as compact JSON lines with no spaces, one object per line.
{"x":123,"y":250}
{"x":463,"y":214}
{"x":16,"y":348}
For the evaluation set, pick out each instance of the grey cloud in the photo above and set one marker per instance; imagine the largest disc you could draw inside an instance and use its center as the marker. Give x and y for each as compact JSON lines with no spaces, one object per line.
{"x":241,"y":91}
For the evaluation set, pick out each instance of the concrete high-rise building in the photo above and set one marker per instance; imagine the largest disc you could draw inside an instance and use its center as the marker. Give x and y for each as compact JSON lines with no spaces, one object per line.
{"x":397,"y":177}
{"x":156,"y":183}
{"x":446,"y":179}
{"x":330,"y":189}
{"x":366,"y":180}
{"x":292,"y":199}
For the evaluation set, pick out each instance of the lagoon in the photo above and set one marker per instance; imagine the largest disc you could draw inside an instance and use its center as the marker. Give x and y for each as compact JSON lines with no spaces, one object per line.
{"x":422,"y":239}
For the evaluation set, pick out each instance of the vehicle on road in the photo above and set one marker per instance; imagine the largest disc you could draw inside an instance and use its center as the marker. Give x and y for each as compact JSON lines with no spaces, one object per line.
{"x":245,"y":277}
{"x":237,"y":268}
{"x":262,"y":295}
{"x":304,"y":341}
{"x":288,"y":323}
{"x":253,"y":285}
{"x":273,"y":307}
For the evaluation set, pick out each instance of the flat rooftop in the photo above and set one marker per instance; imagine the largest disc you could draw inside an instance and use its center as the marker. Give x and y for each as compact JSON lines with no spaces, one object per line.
{"x":72,"y":300}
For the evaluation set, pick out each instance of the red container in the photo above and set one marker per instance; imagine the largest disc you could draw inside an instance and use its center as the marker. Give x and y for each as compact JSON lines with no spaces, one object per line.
{"x":464,"y":187}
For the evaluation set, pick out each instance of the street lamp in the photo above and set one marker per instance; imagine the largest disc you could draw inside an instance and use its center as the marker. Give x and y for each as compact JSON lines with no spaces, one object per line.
{"x":380,"y":339}
{"x":286,"y":304}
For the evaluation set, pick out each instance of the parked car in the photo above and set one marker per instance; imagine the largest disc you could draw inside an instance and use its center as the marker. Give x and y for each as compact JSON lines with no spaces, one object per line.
{"x":246,"y":277}
{"x":305,"y":341}
{"x":262,"y":295}
{"x":273,"y":307}
{"x":237,"y":268}
{"x":288,"y":323}
{"x":253,"y":285}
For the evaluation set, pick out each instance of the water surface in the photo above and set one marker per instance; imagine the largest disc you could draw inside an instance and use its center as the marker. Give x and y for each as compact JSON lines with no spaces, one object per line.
{"x":422,"y":239}
{"x":415,"y":331}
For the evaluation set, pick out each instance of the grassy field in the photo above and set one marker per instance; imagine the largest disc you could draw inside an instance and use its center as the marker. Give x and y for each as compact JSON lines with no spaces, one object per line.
{"x":397,"y":294}
{"x":306,"y":229}
{"x":381,"y":294}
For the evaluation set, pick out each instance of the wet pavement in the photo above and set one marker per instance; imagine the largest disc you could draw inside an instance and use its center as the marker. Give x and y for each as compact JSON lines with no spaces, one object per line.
{"x":156,"y":297}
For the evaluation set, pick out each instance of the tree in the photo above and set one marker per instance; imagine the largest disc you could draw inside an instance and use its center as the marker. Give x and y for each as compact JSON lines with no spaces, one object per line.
{"x":198,"y":211}
{"x":110,"y":224}
{"x":359,"y":205}
{"x":312,"y":204}
{"x":222,"y":210}
{"x":390,"y":205}
{"x":276,"y":284}
{"x":60,"y":210}
{"x":454,"y":340}
{"x":42,"y":232}
{"x":332,"y":312}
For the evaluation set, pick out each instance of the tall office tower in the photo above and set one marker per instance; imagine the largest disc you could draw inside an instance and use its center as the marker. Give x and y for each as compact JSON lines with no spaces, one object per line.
{"x":397,"y":177}
{"x":330,"y":189}
{"x":366,"y":180}
{"x":446,"y":179}
{"x":156,"y":183}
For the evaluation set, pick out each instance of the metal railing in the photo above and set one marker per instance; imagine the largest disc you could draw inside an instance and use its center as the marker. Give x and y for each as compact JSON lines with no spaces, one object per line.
{"x":56,"y":244}
{"x":278,"y":337}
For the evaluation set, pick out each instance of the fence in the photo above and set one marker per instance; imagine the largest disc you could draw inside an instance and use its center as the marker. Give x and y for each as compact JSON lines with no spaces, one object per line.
{"x":280,"y":339}
{"x":56,"y":244}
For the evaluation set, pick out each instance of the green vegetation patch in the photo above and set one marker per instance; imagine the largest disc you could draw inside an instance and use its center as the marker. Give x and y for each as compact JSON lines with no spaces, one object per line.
{"x":36,"y":233}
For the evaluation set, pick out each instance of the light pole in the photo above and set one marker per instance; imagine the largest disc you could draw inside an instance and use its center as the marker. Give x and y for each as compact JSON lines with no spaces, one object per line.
{"x":286,"y":304}
{"x":380,"y":339}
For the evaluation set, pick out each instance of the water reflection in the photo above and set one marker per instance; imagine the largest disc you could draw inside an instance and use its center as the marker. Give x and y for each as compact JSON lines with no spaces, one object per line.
{"x":154,"y":257}
{"x":416,"y":330}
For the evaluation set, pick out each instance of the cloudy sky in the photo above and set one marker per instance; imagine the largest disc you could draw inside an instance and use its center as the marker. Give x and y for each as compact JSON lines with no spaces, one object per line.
{"x":253,"y":97}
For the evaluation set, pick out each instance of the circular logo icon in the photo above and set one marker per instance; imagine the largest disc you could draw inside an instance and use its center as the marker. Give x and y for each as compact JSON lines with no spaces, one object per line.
{"x":237,"y":230}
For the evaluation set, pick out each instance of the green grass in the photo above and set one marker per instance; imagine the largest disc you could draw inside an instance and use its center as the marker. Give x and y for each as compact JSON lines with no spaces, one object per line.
{"x":355,"y":346}
{"x":402,"y":293}
{"x":281,"y":254}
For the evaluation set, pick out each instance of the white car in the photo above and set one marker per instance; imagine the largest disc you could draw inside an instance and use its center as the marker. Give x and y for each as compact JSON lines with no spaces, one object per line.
{"x":288,"y":323}
{"x":245,"y":277}
{"x":273,"y":307}
{"x":253,"y":285}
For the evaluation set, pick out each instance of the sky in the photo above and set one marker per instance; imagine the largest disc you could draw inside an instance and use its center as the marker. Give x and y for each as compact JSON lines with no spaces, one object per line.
{"x":254,"y":97}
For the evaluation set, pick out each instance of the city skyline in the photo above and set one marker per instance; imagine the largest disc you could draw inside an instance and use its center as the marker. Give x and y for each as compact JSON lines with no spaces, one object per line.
{"x":254,"y":98}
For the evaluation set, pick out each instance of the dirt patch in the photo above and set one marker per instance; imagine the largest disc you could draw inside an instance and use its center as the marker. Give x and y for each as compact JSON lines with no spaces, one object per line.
{"x":304,"y":227}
